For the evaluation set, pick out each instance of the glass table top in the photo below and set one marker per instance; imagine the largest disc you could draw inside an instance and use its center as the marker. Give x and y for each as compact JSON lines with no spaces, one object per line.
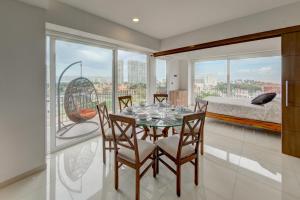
{"x":157,"y":115}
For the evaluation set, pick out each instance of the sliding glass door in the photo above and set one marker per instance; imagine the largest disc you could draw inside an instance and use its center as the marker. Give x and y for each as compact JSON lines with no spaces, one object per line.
{"x":82,"y":76}
{"x":82,"y":73}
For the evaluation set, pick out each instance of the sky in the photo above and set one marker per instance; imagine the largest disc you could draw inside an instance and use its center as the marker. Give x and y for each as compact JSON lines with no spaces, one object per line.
{"x":96,"y":61}
{"x":161,"y":69}
{"x":267,"y":69}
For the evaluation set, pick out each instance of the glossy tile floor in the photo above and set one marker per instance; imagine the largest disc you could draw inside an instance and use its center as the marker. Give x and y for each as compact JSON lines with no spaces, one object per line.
{"x":239,"y":163}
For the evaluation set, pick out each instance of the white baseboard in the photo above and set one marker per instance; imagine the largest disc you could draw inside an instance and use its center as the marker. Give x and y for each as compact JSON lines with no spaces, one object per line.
{"x":23,"y":175}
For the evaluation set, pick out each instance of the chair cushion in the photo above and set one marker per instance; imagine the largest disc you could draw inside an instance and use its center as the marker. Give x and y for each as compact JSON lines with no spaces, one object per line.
{"x":145,"y":149}
{"x":263,"y":98}
{"x":87,"y":113}
{"x":170,"y":145}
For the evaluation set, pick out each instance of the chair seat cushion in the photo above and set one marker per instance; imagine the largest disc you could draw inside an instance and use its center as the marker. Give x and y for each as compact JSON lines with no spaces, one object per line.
{"x":87,"y":113}
{"x":145,"y":149}
{"x":170,"y":145}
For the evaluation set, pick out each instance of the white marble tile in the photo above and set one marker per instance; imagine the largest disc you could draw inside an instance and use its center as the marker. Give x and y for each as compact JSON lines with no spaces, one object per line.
{"x":239,"y":163}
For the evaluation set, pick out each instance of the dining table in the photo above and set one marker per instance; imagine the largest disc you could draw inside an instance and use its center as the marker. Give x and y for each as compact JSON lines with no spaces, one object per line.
{"x":160,"y":115}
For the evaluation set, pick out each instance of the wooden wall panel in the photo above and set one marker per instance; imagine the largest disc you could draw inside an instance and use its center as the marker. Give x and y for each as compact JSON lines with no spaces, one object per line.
{"x":290,"y":44}
{"x":291,"y":143}
{"x":178,"y":97}
{"x":291,"y":94}
{"x":292,"y":72}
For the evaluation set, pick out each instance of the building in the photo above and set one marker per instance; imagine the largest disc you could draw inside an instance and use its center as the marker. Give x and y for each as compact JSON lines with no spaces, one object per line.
{"x":120,"y":71}
{"x":137,"y":72}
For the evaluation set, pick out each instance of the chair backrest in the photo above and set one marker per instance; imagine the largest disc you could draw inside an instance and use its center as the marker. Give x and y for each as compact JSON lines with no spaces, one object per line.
{"x":103,"y":117}
{"x":124,"y":102}
{"x":160,"y":98}
{"x":191,"y":129}
{"x":123,"y":125}
{"x":200,"y":105}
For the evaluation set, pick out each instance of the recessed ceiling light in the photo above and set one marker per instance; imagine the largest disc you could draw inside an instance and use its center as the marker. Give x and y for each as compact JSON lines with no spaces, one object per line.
{"x":135,"y":20}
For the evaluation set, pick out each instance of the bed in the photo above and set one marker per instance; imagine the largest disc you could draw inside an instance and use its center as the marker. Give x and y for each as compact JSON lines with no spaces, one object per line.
{"x":240,"y":110}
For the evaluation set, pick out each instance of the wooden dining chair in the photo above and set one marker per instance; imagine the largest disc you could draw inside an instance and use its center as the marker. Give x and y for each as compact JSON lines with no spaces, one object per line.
{"x":160,"y":98}
{"x":125,"y":102}
{"x":154,"y":132}
{"x":105,"y":129}
{"x":200,"y":106}
{"x":182,"y":148}
{"x":132,"y":152}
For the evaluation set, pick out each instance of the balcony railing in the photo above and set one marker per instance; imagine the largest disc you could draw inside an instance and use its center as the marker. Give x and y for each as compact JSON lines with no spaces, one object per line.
{"x":138,"y":95}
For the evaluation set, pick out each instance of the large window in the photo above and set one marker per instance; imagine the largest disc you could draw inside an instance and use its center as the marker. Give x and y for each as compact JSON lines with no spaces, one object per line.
{"x":80,"y":74}
{"x":252,"y":76}
{"x":132,"y":75}
{"x":161,"y":75}
{"x":210,"y":78}
{"x":238,"y":78}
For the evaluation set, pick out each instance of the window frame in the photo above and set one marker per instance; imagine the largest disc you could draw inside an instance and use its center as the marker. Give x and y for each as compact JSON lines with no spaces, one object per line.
{"x":155,"y":69}
{"x":53,"y":37}
{"x":271,"y":53}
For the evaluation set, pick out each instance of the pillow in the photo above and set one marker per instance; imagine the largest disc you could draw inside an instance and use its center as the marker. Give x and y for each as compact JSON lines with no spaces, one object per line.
{"x":263,"y":98}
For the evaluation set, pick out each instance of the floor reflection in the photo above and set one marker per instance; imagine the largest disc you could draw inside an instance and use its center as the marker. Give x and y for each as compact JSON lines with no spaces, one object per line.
{"x":243,"y":162}
{"x":74,"y":170}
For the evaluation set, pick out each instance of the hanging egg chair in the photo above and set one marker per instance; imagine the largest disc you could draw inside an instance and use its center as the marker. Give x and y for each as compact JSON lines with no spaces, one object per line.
{"x":79,"y":101}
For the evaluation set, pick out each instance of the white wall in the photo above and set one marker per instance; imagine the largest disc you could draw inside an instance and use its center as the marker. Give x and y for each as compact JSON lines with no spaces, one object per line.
{"x":173,"y":74}
{"x":22,"y":81}
{"x":276,"y":18}
{"x":183,"y":72}
{"x":179,"y":68}
{"x":64,"y":15}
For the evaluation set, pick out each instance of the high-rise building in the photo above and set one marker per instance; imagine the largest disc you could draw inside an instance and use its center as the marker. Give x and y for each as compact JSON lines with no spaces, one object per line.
{"x":120,"y":71}
{"x":137,"y":72}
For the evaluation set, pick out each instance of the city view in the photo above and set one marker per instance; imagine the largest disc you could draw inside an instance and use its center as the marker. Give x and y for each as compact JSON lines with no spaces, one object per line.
{"x":247,"y":78}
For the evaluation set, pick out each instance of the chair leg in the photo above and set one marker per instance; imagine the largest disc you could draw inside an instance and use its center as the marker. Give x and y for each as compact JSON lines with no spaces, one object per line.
{"x":196,"y":170}
{"x":104,"y":151}
{"x":154,"y":164}
{"x":137,"y":184}
{"x":116,"y":174}
{"x":178,"y":179}
{"x":157,"y":161}
{"x":109,"y":145}
{"x":166,"y":131}
{"x":202,"y":143}
{"x":145,"y":135}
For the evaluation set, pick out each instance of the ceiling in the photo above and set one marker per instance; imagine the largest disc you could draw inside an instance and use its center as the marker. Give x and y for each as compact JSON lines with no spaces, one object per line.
{"x":165,"y":18}
{"x":257,"y":48}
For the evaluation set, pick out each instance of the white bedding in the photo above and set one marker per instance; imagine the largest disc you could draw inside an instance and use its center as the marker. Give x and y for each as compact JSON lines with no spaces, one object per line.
{"x":242,"y":107}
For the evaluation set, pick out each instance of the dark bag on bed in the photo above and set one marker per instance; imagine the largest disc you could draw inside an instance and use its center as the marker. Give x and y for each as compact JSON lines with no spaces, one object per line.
{"x":263,"y":98}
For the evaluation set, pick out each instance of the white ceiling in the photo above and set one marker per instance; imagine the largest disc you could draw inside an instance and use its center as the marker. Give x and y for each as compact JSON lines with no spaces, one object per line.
{"x":165,"y":18}
{"x":259,"y":48}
